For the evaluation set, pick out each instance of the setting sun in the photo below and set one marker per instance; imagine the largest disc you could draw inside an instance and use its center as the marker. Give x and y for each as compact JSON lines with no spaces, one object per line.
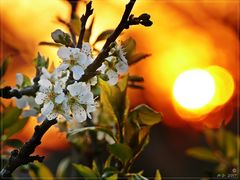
{"x":194,"y":89}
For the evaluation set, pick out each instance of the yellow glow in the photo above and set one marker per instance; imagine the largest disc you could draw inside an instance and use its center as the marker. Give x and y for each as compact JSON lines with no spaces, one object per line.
{"x":194,"y":89}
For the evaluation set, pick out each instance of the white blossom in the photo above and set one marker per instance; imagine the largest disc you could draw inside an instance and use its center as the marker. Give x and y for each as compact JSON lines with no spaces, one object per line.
{"x":74,"y":60}
{"x":80,"y":100}
{"x":50,"y":94}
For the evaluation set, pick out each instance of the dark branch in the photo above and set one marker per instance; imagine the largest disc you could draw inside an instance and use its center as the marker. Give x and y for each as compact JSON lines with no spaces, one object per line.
{"x":8,"y":92}
{"x":22,"y":156}
{"x":124,"y":23}
{"x":84,"y":18}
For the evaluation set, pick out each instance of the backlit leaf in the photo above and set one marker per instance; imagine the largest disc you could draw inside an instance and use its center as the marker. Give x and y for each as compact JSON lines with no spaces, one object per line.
{"x":121,"y":151}
{"x":85,"y":172}
{"x":202,"y":153}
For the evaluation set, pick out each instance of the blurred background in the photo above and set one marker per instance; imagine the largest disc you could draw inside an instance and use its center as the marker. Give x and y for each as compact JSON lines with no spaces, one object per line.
{"x":185,"y":35}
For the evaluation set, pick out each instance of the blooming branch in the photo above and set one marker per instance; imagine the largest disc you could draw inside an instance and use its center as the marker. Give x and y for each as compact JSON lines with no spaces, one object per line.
{"x":23,"y":156}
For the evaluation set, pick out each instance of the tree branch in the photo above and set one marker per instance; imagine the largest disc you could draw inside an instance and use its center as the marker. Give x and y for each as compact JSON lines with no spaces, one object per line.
{"x":107,"y":46}
{"x":84,"y":18}
{"x":22,"y":156}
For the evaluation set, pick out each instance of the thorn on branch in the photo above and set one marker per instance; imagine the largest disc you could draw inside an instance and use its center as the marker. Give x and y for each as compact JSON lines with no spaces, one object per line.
{"x":84,"y":18}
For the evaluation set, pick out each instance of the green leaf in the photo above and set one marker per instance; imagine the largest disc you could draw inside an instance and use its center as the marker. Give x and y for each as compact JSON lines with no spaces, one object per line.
{"x":41,"y":61}
{"x":40,"y":171}
{"x":88,"y":31}
{"x":109,"y":172}
{"x":93,"y":128}
{"x":105,"y":95}
{"x":15,"y":143}
{"x":122,"y":151}
{"x":202,"y":153}
{"x":85,"y":172}
{"x":134,"y":176}
{"x":16,"y":127}
{"x":145,"y":115}
{"x":10,"y":116}
{"x":130,"y":46}
{"x":53,"y":44}
{"x":26,"y":81}
{"x":75,"y":25}
{"x":158,"y":175}
{"x":135,"y":78}
{"x":104,"y":35}
{"x":4,"y":66}
{"x":137,"y":57}
{"x":62,"y":167}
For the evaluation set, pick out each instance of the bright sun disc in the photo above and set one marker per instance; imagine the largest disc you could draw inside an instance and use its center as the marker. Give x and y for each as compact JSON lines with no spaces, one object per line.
{"x":194,"y":89}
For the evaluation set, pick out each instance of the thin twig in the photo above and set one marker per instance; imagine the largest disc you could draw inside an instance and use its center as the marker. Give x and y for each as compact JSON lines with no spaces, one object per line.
{"x":84,"y":18}
{"x":22,"y":156}
{"x":107,"y":46}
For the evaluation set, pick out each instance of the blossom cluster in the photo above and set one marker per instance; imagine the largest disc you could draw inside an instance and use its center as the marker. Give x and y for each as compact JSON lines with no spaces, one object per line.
{"x":57,"y":98}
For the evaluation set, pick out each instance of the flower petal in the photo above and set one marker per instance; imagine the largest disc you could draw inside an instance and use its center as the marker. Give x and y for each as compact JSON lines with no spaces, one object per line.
{"x":52,"y":115}
{"x":74,"y":89}
{"x":40,"y":98}
{"x":83,"y":60}
{"x":86,"y":48}
{"x":113,"y":77}
{"x":121,"y":67}
{"x":45,"y":84}
{"x":47,"y":108}
{"x":57,"y":87}
{"x":64,"y":53}
{"x":93,"y":81}
{"x":28,"y":113}
{"x":21,"y":103}
{"x":19,"y":79}
{"x":90,"y":108}
{"x":77,"y":72}
{"x":60,"y":98}
{"x":86,"y":98}
{"x":46,"y":74}
{"x":62,"y":67}
{"x":79,"y":113}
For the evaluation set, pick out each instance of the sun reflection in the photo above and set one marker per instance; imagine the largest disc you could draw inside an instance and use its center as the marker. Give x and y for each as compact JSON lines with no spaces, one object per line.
{"x":198,"y":92}
{"x":194,"y":89}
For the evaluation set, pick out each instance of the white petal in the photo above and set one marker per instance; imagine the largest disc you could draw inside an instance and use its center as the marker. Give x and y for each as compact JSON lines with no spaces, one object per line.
{"x":74,"y":52}
{"x":113,"y":77}
{"x":77,"y":72}
{"x":79,"y":113}
{"x":86,"y":98}
{"x":45,"y":84}
{"x":28,"y":113}
{"x":121,"y":67}
{"x":46,"y":74}
{"x":110,"y":58}
{"x":102,"y":68}
{"x":64,"y":53}
{"x":62,"y":67}
{"x":52,"y":115}
{"x":74,"y":88}
{"x":40,"y":98}
{"x":83,"y":60}
{"x":93,"y":81}
{"x":60,"y":98}
{"x":41,"y":118}
{"x":57,"y":87}
{"x":19,"y":79}
{"x":90,"y":108}
{"x":47,"y":108}
{"x":31,"y":101}
{"x":86,"y":48}
{"x":21,"y":103}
